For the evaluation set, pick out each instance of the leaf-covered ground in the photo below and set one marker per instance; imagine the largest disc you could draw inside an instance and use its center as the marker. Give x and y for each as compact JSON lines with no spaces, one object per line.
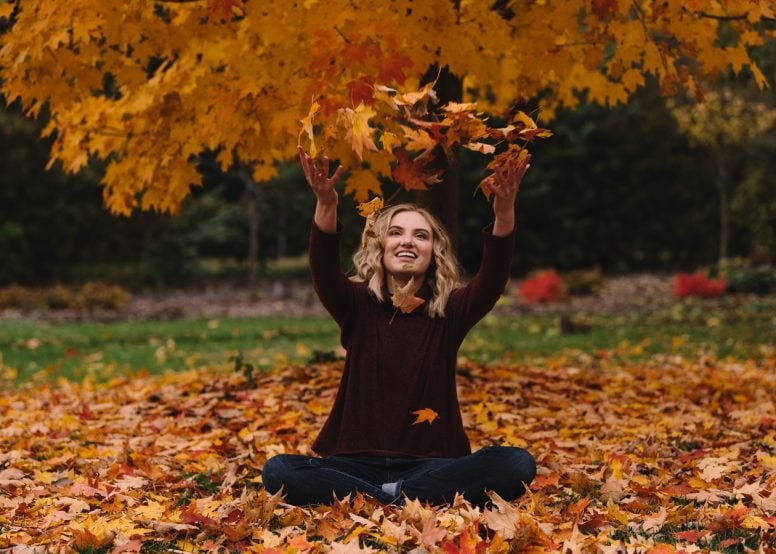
{"x":661,"y":455}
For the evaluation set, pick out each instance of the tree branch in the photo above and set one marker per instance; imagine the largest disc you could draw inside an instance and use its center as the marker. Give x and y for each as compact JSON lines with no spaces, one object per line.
{"x":739,"y":17}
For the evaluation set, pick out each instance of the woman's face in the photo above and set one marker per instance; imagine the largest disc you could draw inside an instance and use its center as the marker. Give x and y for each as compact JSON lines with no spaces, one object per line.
{"x":408,"y":246}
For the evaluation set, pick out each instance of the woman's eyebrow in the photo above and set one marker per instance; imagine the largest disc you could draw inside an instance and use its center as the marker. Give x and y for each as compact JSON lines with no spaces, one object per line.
{"x":400,"y":228}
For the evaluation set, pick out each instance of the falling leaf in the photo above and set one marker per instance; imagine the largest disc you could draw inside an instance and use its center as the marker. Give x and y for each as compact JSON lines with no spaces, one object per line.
{"x":307,"y":127}
{"x":359,"y":132}
{"x":480,"y":147}
{"x":426,"y":414}
{"x":411,"y":174}
{"x":367,"y":209}
{"x":404,"y":297}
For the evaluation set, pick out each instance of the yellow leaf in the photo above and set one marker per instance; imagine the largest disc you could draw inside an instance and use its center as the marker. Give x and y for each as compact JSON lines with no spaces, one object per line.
{"x":390,"y":141}
{"x":359,"y":133}
{"x":152,"y":510}
{"x":365,"y":209}
{"x":307,"y":127}
{"x":361,"y":184}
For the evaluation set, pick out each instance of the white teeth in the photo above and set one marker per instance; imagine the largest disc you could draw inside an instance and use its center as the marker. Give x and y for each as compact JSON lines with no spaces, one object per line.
{"x":406,"y":255}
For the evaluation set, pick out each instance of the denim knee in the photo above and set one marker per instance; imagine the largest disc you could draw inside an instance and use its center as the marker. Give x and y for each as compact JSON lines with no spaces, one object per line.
{"x":523,"y":464}
{"x":274,"y":473}
{"x":512,"y":463}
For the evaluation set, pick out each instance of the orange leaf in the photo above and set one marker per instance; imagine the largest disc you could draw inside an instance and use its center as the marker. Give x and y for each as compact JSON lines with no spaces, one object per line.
{"x":426,"y":414}
{"x":411,"y":174}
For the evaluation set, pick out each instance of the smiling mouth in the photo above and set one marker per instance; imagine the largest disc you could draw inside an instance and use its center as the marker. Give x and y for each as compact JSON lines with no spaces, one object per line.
{"x":406,"y":256}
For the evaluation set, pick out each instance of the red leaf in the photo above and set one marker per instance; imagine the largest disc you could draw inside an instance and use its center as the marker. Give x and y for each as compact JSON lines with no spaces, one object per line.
{"x":361,"y":91}
{"x":224,"y":9}
{"x":604,"y":8}
{"x":191,"y":517}
{"x":357,"y":52}
{"x":391,"y":69}
{"x":689,"y":536}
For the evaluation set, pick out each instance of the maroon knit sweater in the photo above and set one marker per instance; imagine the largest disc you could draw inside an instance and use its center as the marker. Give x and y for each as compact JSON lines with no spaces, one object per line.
{"x":395,"y":368}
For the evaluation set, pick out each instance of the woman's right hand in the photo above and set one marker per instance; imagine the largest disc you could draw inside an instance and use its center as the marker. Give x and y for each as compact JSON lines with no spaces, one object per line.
{"x":318,"y":178}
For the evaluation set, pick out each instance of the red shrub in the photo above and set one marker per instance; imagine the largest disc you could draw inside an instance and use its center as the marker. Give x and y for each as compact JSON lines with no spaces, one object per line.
{"x":543,"y":286}
{"x":697,"y":284}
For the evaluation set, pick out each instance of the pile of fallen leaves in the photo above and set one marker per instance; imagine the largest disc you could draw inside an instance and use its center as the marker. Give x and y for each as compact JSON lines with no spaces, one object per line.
{"x":661,"y":455}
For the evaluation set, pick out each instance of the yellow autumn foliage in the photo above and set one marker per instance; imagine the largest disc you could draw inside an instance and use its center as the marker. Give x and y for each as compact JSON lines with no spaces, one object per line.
{"x":149,"y":86}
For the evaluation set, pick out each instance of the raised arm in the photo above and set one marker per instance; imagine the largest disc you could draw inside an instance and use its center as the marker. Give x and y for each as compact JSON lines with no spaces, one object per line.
{"x":504,"y":188}
{"x":317,"y":176}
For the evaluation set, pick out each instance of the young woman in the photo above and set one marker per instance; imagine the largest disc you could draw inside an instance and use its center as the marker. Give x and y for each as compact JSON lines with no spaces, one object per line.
{"x":400,"y":366}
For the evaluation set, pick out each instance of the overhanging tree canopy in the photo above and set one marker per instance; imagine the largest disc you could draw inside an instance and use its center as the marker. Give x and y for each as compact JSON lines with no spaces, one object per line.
{"x":149,"y":86}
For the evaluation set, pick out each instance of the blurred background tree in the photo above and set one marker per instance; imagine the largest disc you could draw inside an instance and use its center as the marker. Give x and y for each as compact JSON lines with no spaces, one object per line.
{"x":148,"y":102}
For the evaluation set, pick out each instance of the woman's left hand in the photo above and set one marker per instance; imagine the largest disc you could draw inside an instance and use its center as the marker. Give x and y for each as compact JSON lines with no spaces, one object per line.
{"x":504,"y":187}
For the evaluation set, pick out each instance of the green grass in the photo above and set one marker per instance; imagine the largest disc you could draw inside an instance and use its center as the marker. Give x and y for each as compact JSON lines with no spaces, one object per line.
{"x":74,"y":350}
{"x":46,"y":351}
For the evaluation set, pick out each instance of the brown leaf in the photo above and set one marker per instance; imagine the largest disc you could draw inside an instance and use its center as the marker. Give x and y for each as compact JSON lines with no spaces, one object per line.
{"x":404,"y":299}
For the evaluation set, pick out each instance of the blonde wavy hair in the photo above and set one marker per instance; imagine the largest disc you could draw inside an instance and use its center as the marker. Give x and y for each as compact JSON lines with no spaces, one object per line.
{"x":443,"y":275}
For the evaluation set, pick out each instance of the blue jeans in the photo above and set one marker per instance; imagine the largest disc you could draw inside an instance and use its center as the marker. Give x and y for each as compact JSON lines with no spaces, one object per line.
{"x":306,"y":480}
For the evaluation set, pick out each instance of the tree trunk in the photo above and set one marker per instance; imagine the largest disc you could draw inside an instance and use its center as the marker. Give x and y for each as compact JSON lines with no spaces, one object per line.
{"x":724,"y":226}
{"x":442,"y":198}
{"x":252,"y":205}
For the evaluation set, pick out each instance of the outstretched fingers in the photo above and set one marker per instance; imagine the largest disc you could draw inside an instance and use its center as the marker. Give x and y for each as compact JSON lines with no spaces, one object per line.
{"x":318,"y":176}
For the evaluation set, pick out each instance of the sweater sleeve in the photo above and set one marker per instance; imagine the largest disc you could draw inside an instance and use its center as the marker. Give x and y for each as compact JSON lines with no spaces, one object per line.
{"x":333,"y":288}
{"x":469,"y":304}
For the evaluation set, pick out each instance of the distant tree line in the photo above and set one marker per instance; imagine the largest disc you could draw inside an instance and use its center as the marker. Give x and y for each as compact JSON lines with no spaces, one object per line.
{"x":619,"y":189}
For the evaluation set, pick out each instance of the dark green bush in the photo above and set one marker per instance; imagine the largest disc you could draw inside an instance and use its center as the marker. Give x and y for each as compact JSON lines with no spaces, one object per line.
{"x":742,"y":276}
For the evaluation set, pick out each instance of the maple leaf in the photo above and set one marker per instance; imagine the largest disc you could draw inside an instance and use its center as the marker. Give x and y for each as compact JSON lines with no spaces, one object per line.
{"x":374,"y":206}
{"x":225,"y":9}
{"x":481,"y":147}
{"x":411,"y":174}
{"x":359,"y":133}
{"x":431,"y":534}
{"x":425,"y":415}
{"x":361,"y":91}
{"x":604,"y":8}
{"x":418,"y":139}
{"x":527,"y":128}
{"x":307,"y":127}
{"x":404,"y":299}
{"x":418,"y":100}
{"x":391,"y":68}
{"x":370,"y":210}
{"x":390,"y":141}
